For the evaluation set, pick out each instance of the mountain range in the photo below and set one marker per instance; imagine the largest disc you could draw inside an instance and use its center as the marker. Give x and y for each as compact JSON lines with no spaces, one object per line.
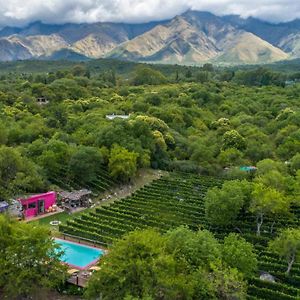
{"x":191,"y":38}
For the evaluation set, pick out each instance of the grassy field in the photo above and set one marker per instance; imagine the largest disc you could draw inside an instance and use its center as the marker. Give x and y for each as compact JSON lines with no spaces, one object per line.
{"x":62,"y":217}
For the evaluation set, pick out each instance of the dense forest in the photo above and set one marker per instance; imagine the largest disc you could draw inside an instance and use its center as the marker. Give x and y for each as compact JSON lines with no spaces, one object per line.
{"x":201,"y":120}
{"x":63,"y":124}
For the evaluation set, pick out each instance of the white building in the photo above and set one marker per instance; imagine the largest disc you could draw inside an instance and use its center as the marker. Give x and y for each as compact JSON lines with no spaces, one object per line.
{"x":113,"y":116}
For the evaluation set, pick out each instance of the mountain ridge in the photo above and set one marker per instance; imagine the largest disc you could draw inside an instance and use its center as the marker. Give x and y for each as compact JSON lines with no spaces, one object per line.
{"x":191,"y":38}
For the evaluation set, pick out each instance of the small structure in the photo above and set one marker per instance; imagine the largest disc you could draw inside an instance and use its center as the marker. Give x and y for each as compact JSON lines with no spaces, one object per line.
{"x":3,"y":206}
{"x":113,"y":116}
{"x":75,"y":199}
{"x":265,"y":276}
{"x":15,"y":209}
{"x":248,"y":168}
{"x":38,"y":204}
{"x":55,"y":223}
{"x":291,"y":82}
{"x":42,"y":100}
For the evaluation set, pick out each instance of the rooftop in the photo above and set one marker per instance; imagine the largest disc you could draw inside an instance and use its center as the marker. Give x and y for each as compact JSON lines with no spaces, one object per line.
{"x":74,"y":195}
{"x":3,"y":205}
{"x":113,"y":116}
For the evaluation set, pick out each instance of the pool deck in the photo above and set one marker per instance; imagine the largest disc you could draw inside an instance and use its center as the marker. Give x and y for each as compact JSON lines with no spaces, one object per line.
{"x":79,"y":279}
{"x":86,"y":267}
{"x":83,"y":275}
{"x":80,"y":240}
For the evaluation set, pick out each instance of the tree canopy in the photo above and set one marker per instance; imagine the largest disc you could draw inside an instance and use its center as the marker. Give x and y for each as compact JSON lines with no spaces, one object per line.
{"x":287,"y":245}
{"x":29,"y":259}
{"x":223,"y":205}
{"x":178,"y":265}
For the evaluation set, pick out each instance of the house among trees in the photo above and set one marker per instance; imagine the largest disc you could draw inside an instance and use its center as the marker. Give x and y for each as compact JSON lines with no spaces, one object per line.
{"x":291,"y":82}
{"x":42,"y":100}
{"x":38,"y":204}
{"x":248,"y":168}
{"x":113,"y":116}
{"x":75,"y":199}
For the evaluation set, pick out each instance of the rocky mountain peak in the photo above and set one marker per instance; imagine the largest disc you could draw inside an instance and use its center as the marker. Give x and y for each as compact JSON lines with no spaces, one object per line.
{"x":194,"y":37}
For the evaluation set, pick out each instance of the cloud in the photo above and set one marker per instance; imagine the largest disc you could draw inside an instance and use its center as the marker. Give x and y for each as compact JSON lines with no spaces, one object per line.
{"x":21,"y":12}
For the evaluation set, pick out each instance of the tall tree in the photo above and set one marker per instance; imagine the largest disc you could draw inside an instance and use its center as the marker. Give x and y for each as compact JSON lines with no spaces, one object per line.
{"x":85,"y":163}
{"x":287,"y":245}
{"x":222,"y":205}
{"x":17,"y":173}
{"x":238,"y":253}
{"x":29,"y":259}
{"x":267,"y":201}
{"x":147,"y":75}
{"x":232,"y":139}
{"x":179,"y":265}
{"x":122,"y":163}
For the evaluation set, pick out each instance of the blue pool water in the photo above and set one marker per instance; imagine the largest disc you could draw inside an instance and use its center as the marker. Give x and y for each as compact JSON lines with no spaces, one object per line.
{"x":78,"y":255}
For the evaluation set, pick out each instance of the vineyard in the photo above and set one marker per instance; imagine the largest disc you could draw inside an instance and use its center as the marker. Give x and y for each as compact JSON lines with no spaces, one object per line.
{"x":102,"y":183}
{"x":176,"y":200}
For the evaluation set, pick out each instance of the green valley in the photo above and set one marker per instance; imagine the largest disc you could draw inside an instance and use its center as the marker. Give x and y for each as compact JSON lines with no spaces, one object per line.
{"x":190,"y":179}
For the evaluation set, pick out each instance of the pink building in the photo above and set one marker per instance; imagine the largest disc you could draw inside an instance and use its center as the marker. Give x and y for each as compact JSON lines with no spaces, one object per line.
{"x":37,"y":204}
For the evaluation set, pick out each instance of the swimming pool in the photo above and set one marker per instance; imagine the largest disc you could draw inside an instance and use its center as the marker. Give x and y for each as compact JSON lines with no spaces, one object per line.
{"x":77,"y":255}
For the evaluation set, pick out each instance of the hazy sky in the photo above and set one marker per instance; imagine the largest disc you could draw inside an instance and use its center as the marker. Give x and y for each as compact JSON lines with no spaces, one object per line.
{"x":19,"y":12}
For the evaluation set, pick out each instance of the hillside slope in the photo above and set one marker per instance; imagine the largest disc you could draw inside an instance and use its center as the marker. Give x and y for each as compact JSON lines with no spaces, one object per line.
{"x":192,"y":38}
{"x":197,"y":38}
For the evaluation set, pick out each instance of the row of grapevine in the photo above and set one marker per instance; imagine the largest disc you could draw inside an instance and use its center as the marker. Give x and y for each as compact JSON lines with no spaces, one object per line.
{"x":176,"y":200}
{"x":102,"y":183}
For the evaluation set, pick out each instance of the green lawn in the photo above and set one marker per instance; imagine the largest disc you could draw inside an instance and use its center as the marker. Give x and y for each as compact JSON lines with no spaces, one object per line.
{"x":62,"y":217}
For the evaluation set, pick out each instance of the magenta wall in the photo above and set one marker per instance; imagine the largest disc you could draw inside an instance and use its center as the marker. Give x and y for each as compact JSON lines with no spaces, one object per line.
{"x":49,"y":199}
